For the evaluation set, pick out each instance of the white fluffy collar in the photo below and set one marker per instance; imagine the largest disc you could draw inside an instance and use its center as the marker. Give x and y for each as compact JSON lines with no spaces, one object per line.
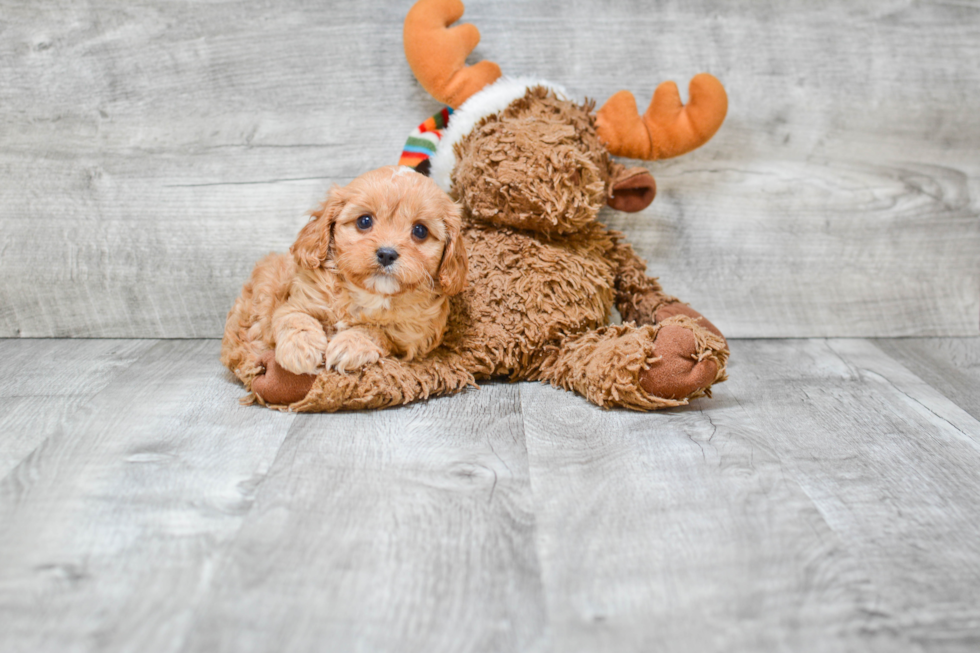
{"x":490,"y":100}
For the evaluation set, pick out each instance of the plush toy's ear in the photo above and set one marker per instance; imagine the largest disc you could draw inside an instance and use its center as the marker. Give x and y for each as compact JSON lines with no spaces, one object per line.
{"x":631,"y":189}
{"x":314,"y":245}
{"x":454,"y":265}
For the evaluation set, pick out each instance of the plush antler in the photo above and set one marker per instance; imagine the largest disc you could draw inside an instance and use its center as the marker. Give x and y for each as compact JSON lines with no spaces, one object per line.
{"x":437,"y":53}
{"x":668,"y":128}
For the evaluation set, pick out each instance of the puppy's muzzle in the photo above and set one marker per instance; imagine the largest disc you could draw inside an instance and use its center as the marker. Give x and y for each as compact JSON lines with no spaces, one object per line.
{"x":387,"y":256}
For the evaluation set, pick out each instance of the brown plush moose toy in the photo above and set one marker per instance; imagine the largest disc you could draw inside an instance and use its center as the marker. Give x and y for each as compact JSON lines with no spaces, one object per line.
{"x":531,"y":169}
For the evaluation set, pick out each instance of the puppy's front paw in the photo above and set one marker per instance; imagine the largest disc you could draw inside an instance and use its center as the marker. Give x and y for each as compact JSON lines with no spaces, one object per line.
{"x":301,"y":351}
{"x":351,"y":350}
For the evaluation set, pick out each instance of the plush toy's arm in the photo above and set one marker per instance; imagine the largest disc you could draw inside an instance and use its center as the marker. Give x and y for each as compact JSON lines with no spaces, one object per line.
{"x":640,"y":298}
{"x":388,"y":382}
{"x":637,"y":296}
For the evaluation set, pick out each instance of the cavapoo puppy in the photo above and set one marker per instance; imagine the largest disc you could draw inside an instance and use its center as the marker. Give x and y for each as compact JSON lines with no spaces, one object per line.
{"x":369,"y":276}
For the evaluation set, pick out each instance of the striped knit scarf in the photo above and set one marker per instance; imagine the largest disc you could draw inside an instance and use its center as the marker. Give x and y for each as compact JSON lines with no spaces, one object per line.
{"x":423,"y":141}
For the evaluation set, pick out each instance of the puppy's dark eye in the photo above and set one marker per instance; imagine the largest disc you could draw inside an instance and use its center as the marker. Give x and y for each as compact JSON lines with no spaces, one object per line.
{"x":364,"y":222}
{"x":420,"y":231}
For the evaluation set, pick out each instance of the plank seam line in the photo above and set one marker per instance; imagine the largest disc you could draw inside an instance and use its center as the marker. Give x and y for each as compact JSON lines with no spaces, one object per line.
{"x":220,"y":553}
{"x":865,"y":371}
{"x":888,"y":381}
{"x":245,"y":183}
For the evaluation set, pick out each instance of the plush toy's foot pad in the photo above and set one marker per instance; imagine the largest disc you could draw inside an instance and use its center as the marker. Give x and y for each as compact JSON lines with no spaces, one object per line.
{"x":280,"y":386}
{"x":678,"y":374}
{"x":670,"y":310}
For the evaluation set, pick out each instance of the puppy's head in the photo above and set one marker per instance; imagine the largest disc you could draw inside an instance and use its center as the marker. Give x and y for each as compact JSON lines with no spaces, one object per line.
{"x":389,"y":231}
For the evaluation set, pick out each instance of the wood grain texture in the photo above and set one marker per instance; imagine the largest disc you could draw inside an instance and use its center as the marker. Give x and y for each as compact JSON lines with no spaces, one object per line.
{"x":892,"y":465}
{"x":824,"y":500}
{"x":45,"y":382}
{"x":951,"y":365}
{"x":112,"y":527}
{"x":151,"y":153}
{"x":682,"y":531}
{"x":405,"y":530}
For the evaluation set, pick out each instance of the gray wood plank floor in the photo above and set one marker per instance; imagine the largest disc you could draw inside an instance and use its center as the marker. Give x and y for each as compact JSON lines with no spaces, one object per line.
{"x":151,"y":152}
{"x":824,"y":500}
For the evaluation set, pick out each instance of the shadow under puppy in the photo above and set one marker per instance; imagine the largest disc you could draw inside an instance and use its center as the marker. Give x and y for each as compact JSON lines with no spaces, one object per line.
{"x":369,"y":276}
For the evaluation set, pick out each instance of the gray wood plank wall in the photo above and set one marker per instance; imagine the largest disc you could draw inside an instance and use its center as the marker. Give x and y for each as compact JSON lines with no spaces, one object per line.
{"x":151,"y":152}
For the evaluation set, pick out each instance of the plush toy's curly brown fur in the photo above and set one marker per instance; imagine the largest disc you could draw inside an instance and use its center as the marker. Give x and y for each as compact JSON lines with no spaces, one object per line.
{"x":538,"y":165}
{"x":543,"y":278}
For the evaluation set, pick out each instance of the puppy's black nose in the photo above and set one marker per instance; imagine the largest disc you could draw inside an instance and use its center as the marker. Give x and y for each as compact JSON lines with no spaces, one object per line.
{"x":387,"y":256}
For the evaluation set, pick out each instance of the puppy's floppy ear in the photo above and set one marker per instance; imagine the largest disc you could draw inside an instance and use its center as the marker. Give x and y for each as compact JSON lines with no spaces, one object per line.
{"x":454,"y":265}
{"x":314,"y":244}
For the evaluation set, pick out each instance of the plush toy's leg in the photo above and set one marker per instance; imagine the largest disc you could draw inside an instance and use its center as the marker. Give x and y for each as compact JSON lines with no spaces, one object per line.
{"x":690,"y":359}
{"x":643,"y":368}
{"x":640,"y":298}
